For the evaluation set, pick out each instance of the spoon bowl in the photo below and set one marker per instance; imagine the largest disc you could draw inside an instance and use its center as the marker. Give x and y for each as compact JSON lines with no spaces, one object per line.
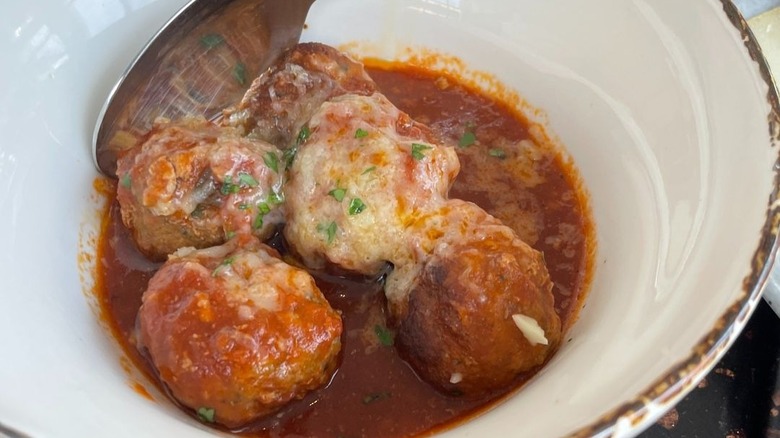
{"x":198,"y":63}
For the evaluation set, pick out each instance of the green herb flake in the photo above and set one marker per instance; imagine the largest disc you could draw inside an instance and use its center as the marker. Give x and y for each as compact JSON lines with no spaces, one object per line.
{"x":418,"y":149}
{"x":467,"y":139}
{"x":289,"y":155}
{"x":275,"y":198}
{"x":329,"y":230}
{"x":338,"y":193}
{"x":258,"y":222}
{"x":243,"y":206}
{"x":229,"y":235}
{"x":369,"y":170}
{"x":498,"y":153}
{"x":374,"y":397}
{"x":361,"y":133}
{"x":206,"y":414}
{"x":356,"y":206}
{"x":211,"y":40}
{"x":239,"y":73}
{"x":246,"y":179}
{"x":385,"y":336}
{"x":126,"y":181}
{"x":303,"y":135}
{"x":225,"y":263}
{"x":271,"y":160}
{"x":262,"y":209}
{"x":228,"y":187}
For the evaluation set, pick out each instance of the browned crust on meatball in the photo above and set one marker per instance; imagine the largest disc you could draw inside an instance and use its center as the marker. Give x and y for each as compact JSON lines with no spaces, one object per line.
{"x":158,"y":236}
{"x":458,"y":332}
{"x":281,"y":100}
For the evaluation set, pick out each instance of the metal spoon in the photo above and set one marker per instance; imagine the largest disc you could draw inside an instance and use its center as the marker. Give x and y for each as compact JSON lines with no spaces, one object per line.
{"x":201,"y":61}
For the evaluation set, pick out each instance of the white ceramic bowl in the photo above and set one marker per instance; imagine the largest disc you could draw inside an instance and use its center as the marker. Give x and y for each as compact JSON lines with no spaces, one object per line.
{"x":672,"y":124}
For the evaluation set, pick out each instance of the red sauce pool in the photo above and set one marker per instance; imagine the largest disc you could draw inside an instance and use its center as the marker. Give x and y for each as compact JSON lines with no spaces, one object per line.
{"x":374,"y":392}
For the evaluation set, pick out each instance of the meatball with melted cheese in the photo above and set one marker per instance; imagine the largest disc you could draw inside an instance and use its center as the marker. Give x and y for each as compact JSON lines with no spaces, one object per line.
{"x":365,"y":174}
{"x":281,"y":100}
{"x":235,"y":333}
{"x":193,"y":183}
{"x":479,"y":310}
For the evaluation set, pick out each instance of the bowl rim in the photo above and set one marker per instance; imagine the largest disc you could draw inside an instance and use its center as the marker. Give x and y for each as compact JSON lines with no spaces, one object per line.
{"x":680,"y":378}
{"x":664,"y":393}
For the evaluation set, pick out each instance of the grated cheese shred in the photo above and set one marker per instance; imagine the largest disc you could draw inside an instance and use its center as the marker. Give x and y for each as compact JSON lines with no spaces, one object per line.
{"x":530,"y":328}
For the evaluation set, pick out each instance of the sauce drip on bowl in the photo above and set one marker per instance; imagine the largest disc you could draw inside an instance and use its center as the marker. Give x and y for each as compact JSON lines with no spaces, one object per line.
{"x":530,"y":187}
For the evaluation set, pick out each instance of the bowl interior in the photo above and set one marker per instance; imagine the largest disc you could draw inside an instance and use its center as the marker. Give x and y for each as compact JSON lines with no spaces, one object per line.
{"x":658,"y":104}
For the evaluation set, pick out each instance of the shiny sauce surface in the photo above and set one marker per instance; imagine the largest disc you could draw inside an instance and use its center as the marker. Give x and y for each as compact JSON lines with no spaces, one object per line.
{"x":530,"y":187}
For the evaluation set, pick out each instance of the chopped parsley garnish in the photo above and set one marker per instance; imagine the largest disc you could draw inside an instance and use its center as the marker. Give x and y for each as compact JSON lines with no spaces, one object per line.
{"x":370,"y":169}
{"x":229,"y":235}
{"x":126,"y":181}
{"x":289,"y":156}
{"x":211,"y":40}
{"x":246,"y":179}
{"x":361,"y":133}
{"x":243,"y":206}
{"x":239,"y":73}
{"x":329,"y":230}
{"x":418,"y":149}
{"x":258,"y":222}
{"x":206,"y":414}
{"x":498,"y":153}
{"x":275,"y":198}
{"x":338,"y":193}
{"x":467,"y":139}
{"x":271,"y":160}
{"x":303,"y":135}
{"x":262,"y":209}
{"x":228,"y":187}
{"x":356,"y":206}
{"x":385,"y":336}
{"x":225,"y":263}
{"x":371,"y":398}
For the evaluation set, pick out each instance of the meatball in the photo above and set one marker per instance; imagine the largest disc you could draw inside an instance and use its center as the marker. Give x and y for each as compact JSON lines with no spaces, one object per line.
{"x":366,"y":173}
{"x":480,"y":310}
{"x":281,"y":100}
{"x":235,"y":332}
{"x":193,"y":183}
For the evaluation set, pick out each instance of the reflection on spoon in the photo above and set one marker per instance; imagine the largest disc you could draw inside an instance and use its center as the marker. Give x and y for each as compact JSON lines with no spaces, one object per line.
{"x":200,"y":62}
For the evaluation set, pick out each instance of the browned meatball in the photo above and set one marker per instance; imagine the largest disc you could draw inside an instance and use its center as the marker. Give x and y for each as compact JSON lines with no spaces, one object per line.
{"x":193,"y":183}
{"x":481,"y":310}
{"x":235,"y":333}
{"x":283,"y":99}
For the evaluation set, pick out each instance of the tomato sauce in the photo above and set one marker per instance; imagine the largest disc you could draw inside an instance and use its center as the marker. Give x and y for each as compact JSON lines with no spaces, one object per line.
{"x":530,"y":187}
